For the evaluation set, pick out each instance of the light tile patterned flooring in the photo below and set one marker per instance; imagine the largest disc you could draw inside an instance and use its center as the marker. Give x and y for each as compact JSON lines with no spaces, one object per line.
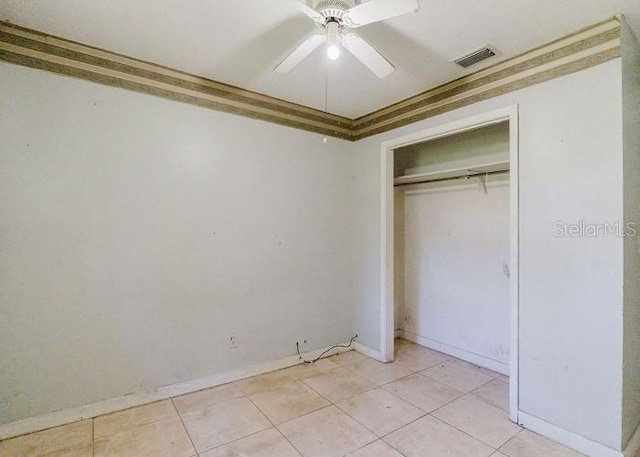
{"x":424,"y":404}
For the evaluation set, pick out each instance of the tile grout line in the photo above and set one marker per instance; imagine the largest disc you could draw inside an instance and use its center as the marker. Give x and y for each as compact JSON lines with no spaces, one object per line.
{"x":392,"y":394}
{"x":470,"y":436}
{"x":424,"y":376}
{"x":376,"y":386}
{"x":419,"y":372}
{"x":347,"y":398}
{"x":314,"y":390}
{"x":373,"y":381}
{"x":287,"y":440}
{"x":451,"y":387}
{"x":409,"y":375}
{"x":303,"y":415}
{"x":478,"y":439}
{"x":225,"y":401}
{"x":519,"y":432}
{"x":335,"y":404}
{"x":379,"y":437}
{"x":261,"y":411}
{"x":447,"y":424}
{"x":235,"y":441}
{"x":462,"y":363}
{"x":494,"y":379}
{"x":184,"y":426}
{"x":118,"y":431}
{"x":490,"y":404}
{"x":298,"y":380}
{"x":442,"y":406}
{"x":415,"y":420}
{"x":464,"y":394}
{"x":274,"y":426}
{"x":331,"y":403}
{"x":93,"y":438}
{"x":381,"y":386}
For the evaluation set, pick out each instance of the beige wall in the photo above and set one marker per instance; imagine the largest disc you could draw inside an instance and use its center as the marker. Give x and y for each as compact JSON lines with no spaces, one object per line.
{"x":137,"y":234}
{"x":570,"y":289}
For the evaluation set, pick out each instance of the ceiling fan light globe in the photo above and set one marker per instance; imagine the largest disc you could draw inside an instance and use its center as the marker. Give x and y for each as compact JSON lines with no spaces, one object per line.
{"x":333,"y":52}
{"x":333,"y":32}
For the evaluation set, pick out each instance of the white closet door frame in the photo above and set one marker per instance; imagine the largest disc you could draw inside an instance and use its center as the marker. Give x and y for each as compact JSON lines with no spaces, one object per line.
{"x":387,"y":272}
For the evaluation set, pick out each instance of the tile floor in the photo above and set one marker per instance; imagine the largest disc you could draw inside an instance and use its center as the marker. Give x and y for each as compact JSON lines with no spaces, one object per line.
{"x":424,"y":404}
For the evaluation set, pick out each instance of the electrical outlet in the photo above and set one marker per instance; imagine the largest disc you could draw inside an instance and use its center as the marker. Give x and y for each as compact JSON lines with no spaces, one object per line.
{"x":233,"y":341}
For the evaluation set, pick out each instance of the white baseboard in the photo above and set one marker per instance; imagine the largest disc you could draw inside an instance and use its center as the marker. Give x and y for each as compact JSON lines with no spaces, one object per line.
{"x":569,"y":439}
{"x":366,"y":350}
{"x":476,"y":359}
{"x":67,"y":416}
{"x":633,"y":446}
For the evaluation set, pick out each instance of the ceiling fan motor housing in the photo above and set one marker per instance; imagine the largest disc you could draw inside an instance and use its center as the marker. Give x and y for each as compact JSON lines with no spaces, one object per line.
{"x":333,"y":9}
{"x":333,"y":32}
{"x":336,"y":18}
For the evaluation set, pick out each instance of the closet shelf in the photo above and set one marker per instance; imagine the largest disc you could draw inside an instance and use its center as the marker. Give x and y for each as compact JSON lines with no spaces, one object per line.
{"x":457,"y":172}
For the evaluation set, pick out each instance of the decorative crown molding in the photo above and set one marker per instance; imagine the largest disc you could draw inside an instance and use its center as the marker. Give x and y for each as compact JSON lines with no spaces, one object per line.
{"x":583,"y":49}
{"x":38,"y":50}
{"x":586,"y":48}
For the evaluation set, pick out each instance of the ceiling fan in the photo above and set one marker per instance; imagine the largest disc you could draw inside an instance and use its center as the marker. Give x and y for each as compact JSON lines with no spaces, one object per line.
{"x":336,"y":18}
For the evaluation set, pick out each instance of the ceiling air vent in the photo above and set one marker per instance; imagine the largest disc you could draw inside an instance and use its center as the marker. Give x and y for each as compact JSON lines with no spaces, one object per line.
{"x":476,"y":56}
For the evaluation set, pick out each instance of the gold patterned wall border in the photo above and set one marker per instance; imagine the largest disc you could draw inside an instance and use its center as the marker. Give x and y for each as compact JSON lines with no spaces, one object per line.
{"x":38,"y":50}
{"x":586,"y":48}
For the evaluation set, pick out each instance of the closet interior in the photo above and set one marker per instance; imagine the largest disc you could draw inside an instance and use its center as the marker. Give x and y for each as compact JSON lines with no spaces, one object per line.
{"x":452,"y":244}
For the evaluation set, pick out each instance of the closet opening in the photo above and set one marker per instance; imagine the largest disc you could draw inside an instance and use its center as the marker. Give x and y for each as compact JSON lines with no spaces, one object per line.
{"x":450,"y":242}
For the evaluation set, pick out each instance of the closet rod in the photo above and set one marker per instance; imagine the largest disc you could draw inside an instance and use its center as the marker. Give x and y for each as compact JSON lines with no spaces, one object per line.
{"x":469,"y":176}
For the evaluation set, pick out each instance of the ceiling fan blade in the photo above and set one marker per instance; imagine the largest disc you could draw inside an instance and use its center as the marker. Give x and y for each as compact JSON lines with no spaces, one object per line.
{"x":366,"y":54}
{"x":313,"y":14}
{"x":300,"y":53}
{"x":379,"y":10}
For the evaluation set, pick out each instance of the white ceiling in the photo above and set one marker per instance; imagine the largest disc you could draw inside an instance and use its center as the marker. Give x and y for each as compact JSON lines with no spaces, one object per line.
{"x":240,"y":41}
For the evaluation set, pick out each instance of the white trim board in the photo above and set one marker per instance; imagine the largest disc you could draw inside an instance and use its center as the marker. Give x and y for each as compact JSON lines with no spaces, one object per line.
{"x":366,"y":350}
{"x":575,"y":441}
{"x":509,"y":114}
{"x":67,"y":416}
{"x":471,"y":357}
